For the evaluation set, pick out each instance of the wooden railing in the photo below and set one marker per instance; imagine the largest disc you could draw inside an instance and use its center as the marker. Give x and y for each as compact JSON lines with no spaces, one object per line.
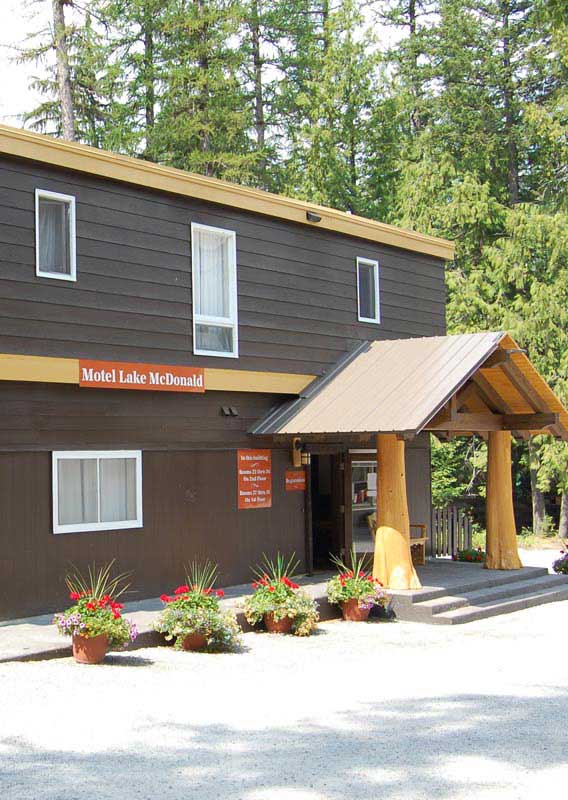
{"x":451,"y":530}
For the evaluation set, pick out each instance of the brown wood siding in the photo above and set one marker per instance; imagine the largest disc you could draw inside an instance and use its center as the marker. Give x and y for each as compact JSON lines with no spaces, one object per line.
{"x":132,"y":301}
{"x":53,"y":416}
{"x":190,"y":511}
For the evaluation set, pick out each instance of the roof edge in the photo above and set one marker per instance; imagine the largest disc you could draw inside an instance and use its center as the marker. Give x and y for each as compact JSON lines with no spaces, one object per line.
{"x":499,"y":336}
{"x":72,"y":155}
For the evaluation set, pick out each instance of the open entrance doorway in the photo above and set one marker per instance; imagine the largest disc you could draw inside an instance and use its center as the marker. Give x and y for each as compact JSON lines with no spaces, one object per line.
{"x":328,"y":534}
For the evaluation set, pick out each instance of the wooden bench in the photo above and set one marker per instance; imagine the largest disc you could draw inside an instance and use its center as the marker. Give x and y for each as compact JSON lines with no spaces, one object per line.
{"x":417,"y":543}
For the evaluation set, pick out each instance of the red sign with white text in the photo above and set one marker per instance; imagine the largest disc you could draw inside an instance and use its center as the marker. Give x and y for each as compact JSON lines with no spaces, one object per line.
{"x":254,"y":468}
{"x":295,"y":480}
{"x":151,"y":377}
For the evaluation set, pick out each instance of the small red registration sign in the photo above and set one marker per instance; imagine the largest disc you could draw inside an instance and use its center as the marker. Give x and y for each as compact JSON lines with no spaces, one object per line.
{"x":151,"y":377}
{"x":254,"y":469}
{"x":295,"y":480}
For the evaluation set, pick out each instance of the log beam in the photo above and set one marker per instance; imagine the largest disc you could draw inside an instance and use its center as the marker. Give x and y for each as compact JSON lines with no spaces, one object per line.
{"x":502,"y":552}
{"x":493,"y":422}
{"x":393,"y":560}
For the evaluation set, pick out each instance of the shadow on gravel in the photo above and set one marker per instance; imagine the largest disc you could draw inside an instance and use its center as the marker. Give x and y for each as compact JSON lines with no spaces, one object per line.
{"x":420,"y":749}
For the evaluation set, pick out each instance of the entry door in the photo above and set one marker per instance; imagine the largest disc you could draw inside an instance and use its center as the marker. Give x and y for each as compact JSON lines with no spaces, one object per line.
{"x":327,"y":508}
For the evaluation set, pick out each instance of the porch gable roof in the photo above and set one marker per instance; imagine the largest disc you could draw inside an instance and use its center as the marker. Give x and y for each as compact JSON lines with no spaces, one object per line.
{"x":408,"y":385}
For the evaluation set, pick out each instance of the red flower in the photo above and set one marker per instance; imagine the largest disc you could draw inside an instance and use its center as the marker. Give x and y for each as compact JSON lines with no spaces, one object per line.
{"x":271,"y":589}
{"x":220,"y":593}
{"x":91,"y":606}
{"x":254,"y":585}
{"x":74,"y":596}
{"x":294,"y":586}
{"x":182,"y":589}
{"x":164,"y":598}
{"x":468,"y":557}
{"x":116,"y":614}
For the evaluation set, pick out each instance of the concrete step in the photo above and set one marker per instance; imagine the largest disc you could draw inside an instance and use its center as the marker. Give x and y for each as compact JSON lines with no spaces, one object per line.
{"x":470,"y":584}
{"x":493,"y":608}
{"x":512,"y":589}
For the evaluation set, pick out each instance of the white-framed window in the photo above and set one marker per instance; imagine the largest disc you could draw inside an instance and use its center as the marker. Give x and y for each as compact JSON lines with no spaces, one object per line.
{"x":55,"y":235}
{"x":96,"y":490}
{"x":368,"y":300}
{"x":214,"y":290}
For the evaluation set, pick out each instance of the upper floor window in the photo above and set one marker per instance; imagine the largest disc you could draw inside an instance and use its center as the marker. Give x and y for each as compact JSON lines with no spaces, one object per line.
{"x":55,"y":235}
{"x":214,"y":281}
{"x":369,"y":309}
{"x":97,"y":491}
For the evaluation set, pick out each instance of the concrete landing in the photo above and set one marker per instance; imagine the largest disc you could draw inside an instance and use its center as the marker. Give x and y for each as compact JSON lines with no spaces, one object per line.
{"x":451,"y":593}
{"x":457,"y":592}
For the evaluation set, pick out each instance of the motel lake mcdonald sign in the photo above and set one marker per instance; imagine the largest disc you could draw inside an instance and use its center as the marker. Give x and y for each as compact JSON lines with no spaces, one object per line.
{"x":151,"y":377}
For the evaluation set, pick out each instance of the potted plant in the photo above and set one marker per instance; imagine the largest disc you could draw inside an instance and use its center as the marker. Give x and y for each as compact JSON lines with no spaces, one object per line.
{"x":561,"y":564}
{"x":192,"y":614}
{"x":471,"y":555}
{"x":355,"y":589}
{"x":94,"y":621}
{"x":278,"y":601}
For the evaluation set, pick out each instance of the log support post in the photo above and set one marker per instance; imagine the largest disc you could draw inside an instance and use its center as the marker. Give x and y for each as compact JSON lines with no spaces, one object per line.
{"x":502,"y":552}
{"x":393,"y":560}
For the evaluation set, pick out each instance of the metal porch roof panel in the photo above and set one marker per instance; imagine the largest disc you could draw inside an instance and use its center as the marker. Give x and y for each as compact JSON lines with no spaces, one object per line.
{"x":385,"y":386}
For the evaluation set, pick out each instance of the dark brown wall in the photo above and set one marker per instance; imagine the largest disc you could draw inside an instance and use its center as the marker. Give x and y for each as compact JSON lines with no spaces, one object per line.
{"x":51,"y":416}
{"x":132,"y":300}
{"x":190,"y":511}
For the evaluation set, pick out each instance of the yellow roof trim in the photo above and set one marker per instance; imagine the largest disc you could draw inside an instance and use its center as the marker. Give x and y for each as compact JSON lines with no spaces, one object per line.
{"x":48,"y":369}
{"x":70,"y":155}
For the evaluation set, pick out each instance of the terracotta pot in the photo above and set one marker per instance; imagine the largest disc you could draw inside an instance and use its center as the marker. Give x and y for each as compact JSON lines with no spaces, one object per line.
{"x":282,"y":626}
{"x":352,"y":612}
{"x":194,"y":641}
{"x":89,"y":650}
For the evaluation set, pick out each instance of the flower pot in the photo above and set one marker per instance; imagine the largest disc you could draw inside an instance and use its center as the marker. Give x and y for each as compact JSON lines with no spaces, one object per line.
{"x":194,"y":641}
{"x":282,"y":626}
{"x":352,"y":612}
{"x":90,"y":650}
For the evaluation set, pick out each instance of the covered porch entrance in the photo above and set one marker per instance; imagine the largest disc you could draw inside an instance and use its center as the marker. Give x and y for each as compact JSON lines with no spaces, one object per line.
{"x":385,"y":394}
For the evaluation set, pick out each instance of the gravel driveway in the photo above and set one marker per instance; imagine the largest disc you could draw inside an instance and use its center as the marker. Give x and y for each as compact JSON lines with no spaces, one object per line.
{"x":383,"y":710}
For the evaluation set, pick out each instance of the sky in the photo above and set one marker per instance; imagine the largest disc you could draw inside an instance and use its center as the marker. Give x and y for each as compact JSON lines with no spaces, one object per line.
{"x":16,"y":22}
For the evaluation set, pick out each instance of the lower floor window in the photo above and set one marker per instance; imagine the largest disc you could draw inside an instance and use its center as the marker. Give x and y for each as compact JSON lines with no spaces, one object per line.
{"x":97,"y":491}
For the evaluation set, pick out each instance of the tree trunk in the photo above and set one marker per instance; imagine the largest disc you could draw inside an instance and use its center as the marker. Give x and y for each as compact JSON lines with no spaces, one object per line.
{"x":393,"y":561}
{"x":63,"y":73}
{"x":149,"y":87}
{"x":502,"y":552}
{"x":509,"y":110}
{"x":538,"y":506}
{"x":563,"y":523}
{"x":415,"y":117}
{"x":259,"y":119}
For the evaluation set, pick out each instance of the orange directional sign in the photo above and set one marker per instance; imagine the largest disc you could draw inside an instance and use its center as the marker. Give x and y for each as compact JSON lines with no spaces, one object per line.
{"x":295,"y":480}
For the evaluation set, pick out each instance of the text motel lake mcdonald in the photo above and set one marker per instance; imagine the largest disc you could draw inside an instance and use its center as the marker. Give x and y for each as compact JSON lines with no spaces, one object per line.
{"x":153,"y":377}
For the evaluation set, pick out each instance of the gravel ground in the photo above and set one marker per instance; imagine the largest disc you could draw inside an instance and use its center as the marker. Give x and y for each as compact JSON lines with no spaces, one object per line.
{"x":383,"y":710}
